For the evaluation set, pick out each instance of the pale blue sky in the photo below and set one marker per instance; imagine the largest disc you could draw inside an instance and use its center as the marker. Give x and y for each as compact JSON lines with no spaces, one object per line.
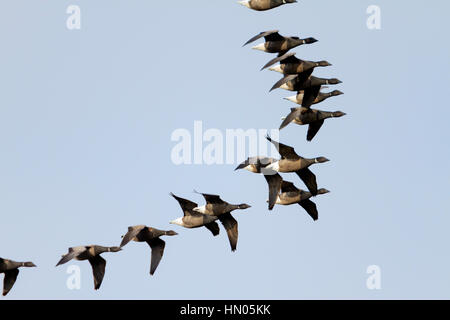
{"x":86,"y":118}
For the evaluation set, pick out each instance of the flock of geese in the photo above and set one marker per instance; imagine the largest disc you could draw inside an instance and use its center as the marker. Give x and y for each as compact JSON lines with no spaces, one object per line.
{"x":297,"y":77}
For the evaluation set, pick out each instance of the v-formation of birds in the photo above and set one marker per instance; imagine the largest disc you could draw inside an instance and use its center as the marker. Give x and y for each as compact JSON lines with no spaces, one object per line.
{"x":297,"y":77}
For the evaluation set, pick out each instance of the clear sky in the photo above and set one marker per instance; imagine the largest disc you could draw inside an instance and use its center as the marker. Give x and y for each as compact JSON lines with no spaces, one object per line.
{"x":86,"y":118}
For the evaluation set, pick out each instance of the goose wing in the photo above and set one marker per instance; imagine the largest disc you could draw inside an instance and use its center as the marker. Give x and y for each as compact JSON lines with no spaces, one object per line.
{"x":272,"y":35}
{"x":283,"y":80}
{"x":231,"y":225}
{"x":309,"y":179}
{"x":295,"y":113}
{"x":274,"y":181}
{"x":10,"y":279}
{"x":213,"y":227}
{"x":313,"y":128}
{"x":285,"y":151}
{"x":283,"y":59}
{"x":157,"y":246}
{"x":186,"y":205}
{"x":310,"y":208}
{"x":211,"y":198}
{"x":303,"y":76}
{"x":131,"y":234}
{"x":310,"y":94}
{"x":98,"y":270}
{"x":73,"y":253}
{"x":287,"y":186}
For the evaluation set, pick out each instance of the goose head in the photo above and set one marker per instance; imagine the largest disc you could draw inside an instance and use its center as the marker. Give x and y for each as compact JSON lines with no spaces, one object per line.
{"x":336,"y":93}
{"x":321,"y":160}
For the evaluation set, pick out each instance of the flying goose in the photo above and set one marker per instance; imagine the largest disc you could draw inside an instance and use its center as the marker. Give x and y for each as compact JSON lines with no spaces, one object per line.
{"x":215,"y":206}
{"x":303,"y":81}
{"x":258,"y":165}
{"x":312,"y":117}
{"x":292,"y":162}
{"x":11,"y":270}
{"x":152,"y":237}
{"x":289,"y":64}
{"x":321,"y":96}
{"x":276,"y":43}
{"x":193,"y":219}
{"x":290,"y":195}
{"x":92,"y":254}
{"x":262,"y":5}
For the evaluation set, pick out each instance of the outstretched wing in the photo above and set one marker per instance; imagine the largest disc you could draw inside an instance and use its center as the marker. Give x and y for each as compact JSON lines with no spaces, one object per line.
{"x":313,"y":128}
{"x":309,"y":179}
{"x":157,"y":246}
{"x":10,"y":279}
{"x":213,"y":227}
{"x":295,"y":113}
{"x":283,"y":80}
{"x":211,"y":198}
{"x":310,"y":208}
{"x":98,"y":270}
{"x":284,"y":59}
{"x":285,"y":151}
{"x":310,"y":95}
{"x":131,"y":234}
{"x":287,"y":186}
{"x":274,"y":181}
{"x":186,"y":205}
{"x":231,"y":225}
{"x":303,"y":76}
{"x":272,"y":35}
{"x":73,"y":252}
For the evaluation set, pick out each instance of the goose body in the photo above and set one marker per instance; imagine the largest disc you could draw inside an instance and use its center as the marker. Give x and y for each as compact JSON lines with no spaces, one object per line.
{"x":312,"y":117}
{"x":151,"y":236}
{"x":306,"y":85}
{"x":321,"y":96}
{"x":302,"y":82}
{"x":291,"y":195}
{"x":92,"y":254}
{"x":216,"y":207}
{"x":193,"y":219}
{"x":11,"y":270}
{"x":263,"y":5}
{"x":289,"y":64}
{"x":276,"y":43}
{"x":291,"y":162}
